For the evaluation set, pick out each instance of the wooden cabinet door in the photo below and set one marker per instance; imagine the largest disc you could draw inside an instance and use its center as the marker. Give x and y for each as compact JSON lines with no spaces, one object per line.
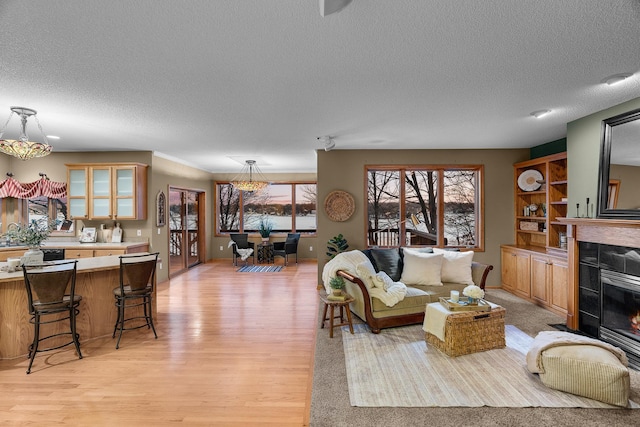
{"x":558,"y":284}
{"x":124,"y":192}
{"x":78,"y":253}
{"x":523,"y":270}
{"x":508,"y":269}
{"x":100,"y":190}
{"x":540,"y":274}
{"x":78,"y":192}
{"x":109,"y":252}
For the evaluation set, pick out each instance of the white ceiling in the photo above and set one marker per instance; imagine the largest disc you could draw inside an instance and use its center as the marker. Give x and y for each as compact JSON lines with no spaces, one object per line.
{"x":210,"y":81}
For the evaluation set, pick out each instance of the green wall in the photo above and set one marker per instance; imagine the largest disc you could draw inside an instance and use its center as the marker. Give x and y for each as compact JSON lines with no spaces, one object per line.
{"x":583,"y":154}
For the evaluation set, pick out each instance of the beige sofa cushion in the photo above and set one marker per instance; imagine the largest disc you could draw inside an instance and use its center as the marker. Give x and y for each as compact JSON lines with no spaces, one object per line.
{"x":421,"y":268}
{"x":586,"y":370}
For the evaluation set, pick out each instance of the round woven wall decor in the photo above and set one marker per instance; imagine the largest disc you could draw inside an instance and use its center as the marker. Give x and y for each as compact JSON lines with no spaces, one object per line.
{"x":339,"y":205}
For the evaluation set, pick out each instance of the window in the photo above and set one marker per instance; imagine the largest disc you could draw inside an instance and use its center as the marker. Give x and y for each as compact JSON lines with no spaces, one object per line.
{"x":43,"y":207}
{"x":291,"y":207}
{"x":425,"y":205}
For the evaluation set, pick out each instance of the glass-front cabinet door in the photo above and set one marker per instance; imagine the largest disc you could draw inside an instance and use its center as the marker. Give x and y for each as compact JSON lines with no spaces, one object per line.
{"x":125,"y":185}
{"x":111,"y":191}
{"x":77,"y":192}
{"x":100,"y":193}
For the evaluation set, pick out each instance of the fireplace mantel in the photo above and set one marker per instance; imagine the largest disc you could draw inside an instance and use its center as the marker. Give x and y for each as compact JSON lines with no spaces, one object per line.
{"x":617,"y":232}
{"x":608,"y":231}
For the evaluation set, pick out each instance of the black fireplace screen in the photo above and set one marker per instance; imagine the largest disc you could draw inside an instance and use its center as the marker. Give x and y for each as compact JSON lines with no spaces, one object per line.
{"x":621,"y":303}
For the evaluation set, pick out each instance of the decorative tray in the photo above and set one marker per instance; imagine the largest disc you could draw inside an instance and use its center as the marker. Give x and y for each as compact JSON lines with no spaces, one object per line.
{"x":462,"y":305}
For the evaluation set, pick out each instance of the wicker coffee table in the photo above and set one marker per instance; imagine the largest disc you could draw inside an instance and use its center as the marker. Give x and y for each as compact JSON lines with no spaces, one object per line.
{"x":465,"y":332}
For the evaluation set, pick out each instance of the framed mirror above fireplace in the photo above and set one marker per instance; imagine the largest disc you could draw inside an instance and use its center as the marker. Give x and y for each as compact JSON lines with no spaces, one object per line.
{"x":618,"y":190}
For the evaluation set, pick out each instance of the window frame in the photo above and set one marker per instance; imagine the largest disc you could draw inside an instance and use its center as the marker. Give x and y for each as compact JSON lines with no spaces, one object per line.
{"x":253,"y":233}
{"x":440,"y":169}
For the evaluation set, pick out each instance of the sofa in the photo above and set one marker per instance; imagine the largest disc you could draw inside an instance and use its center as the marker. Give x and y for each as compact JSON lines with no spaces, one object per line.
{"x":428,"y":273}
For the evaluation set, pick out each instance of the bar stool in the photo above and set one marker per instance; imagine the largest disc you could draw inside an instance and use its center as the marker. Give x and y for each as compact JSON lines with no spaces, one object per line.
{"x":47,"y":295}
{"x":137,"y":278}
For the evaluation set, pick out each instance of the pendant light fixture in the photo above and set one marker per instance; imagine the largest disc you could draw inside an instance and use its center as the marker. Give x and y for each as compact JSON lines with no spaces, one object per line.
{"x":22,"y":148}
{"x":250,"y":178}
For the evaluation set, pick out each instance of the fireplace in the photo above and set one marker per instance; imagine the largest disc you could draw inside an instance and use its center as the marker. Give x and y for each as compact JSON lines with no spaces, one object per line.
{"x":620,"y":312}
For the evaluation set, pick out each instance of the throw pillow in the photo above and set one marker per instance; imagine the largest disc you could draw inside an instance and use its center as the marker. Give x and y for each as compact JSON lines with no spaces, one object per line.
{"x":389,"y":261}
{"x":421,"y":268}
{"x":456,"y":266}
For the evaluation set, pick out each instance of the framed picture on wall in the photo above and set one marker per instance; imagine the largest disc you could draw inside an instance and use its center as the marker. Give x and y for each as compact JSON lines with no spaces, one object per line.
{"x":161,"y":213}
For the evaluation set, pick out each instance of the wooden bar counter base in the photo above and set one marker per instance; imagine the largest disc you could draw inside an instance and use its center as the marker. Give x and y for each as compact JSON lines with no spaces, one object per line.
{"x":95,"y":281}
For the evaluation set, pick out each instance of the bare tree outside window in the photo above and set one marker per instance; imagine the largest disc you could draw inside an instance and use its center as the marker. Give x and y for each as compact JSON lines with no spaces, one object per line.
{"x":383,"y":210}
{"x":460,"y":216}
{"x":416,"y":213}
{"x":228,"y":208}
{"x":288,"y":206}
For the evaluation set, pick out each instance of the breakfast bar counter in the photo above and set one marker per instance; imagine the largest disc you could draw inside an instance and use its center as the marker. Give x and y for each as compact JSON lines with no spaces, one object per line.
{"x":95,"y":281}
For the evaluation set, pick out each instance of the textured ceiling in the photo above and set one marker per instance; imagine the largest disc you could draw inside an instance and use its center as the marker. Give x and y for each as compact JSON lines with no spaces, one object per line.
{"x":214,"y":82}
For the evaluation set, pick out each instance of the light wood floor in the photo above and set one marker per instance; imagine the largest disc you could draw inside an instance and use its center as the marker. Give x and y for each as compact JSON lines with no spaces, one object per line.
{"x":232,"y":349}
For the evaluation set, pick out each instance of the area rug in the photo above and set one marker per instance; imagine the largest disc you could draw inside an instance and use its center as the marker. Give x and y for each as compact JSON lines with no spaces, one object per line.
{"x":396,"y":368}
{"x":259,"y":269}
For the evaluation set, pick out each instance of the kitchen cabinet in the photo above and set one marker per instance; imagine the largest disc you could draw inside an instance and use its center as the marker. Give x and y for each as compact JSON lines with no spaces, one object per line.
{"x":109,"y":191}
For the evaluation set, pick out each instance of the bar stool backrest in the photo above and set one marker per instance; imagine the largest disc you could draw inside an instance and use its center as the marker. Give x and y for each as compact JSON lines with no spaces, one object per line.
{"x":47,"y":284}
{"x":138,"y":271}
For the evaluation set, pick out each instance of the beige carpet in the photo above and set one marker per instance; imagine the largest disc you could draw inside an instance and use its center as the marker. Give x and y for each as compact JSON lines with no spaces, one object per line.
{"x":396,"y":368}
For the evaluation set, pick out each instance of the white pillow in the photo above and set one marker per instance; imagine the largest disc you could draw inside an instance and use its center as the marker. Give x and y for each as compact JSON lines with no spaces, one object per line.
{"x":456,"y":266}
{"x":366,"y":273}
{"x":421,"y":268}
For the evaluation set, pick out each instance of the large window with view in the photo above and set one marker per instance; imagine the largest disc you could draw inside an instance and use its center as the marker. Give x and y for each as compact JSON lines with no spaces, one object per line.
{"x":424,"y":206}
{"x":289,"y":207}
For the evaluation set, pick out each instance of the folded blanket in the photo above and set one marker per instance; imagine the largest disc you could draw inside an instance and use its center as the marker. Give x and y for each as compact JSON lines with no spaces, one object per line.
{"x":350,"y":262}
{"x":346,"y":261}
{"x":548,"y":339}
{"x":244,"y":253}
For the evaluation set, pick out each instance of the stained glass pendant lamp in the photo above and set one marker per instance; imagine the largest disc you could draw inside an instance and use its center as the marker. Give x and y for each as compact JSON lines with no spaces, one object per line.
{"x":22,"y":148}
{"x":250,"y":178}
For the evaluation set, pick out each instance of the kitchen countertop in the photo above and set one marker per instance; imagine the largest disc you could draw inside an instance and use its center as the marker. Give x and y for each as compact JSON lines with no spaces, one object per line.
{"x":78,"y":245}
{"x":84,"y":265}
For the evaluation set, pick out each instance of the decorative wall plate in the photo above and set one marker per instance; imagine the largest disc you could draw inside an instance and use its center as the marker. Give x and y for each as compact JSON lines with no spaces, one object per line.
{"x":528,"y":180}
{"x":339,"y":205}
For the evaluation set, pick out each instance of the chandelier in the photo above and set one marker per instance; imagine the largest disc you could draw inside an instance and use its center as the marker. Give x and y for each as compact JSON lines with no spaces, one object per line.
{"x":22,"y":148}
{"x":245,"y":181}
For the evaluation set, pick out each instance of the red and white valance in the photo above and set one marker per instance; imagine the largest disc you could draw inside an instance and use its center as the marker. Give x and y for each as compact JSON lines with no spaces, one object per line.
{"x":42,"y":187}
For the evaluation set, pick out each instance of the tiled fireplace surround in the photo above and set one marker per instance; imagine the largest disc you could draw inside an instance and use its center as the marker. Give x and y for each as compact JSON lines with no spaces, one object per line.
{"x":604,"y":281}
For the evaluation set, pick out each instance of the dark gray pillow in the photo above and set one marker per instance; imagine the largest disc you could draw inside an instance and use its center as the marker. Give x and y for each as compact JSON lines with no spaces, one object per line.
{"x":367,"y":252}
{"x":389,"y":261}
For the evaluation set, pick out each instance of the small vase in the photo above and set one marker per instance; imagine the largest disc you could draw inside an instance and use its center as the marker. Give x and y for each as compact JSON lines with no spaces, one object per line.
{"x":337,"y":292}
{"x":472,"y":301}
{"x":265,"y":240}
{"x":33,"y":256}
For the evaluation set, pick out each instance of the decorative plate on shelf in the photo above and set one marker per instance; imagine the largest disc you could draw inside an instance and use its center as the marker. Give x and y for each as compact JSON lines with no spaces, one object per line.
{"x":339,"y":205}
{"x":528,"y":180}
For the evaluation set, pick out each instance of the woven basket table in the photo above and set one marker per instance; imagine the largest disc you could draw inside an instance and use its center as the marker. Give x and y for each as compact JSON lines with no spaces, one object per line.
{"x":469,"y":332}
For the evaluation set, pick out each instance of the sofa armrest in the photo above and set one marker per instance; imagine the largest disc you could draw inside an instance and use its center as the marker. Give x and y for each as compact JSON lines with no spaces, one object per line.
{"x":479,"y":273}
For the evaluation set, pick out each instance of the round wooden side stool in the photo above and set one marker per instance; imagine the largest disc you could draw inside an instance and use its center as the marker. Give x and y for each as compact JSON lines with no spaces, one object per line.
{"x":331,"y":305}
